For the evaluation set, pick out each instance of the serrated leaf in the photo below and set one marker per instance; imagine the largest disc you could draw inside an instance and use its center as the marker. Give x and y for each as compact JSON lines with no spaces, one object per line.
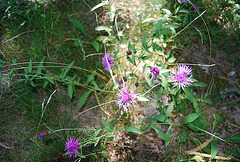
{"x":214,"y":149}
{"x":83,"y":99}
{"x":190,"y":118}
{"x":78,"y":25}
{"x":133,"y":129}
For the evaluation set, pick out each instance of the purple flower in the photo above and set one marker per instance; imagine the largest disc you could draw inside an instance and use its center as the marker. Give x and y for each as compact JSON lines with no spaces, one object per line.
{"x":179,"y":77}
{"x":183,"y":1}
{"x":193,"y":7}
{"x":120,"y":82}
{"x":107,"y":61}
{"x":71,"y":146}
{"x":41,"y":135}
{"x":155,"y":70}
{"x":125,"y":99}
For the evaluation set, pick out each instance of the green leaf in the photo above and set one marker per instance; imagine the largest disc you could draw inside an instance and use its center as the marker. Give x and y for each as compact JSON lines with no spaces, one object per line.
{"x":100,"y":5}
{"x":100,"y":28}
{"x":162,"y":135}
{"x":83,"y":99}
{"x":78,"y":43}
{"x":107,"y":126}
{"x":30,"y":66}
{"x":190,"y":118}
{"x":133,"y":129}
{"x":45,"y":84}
{"x":214,"y":149}
{"x":129,"y":59}
{"x":70,"y":90}
{"x":78,"y":25}
{"x":165,"y":83}
{"x":90,"y":78}
{"x":217,"y":119}
{"x":113,"y":123}
{"x":193,"y":100}
{"x":142,"y":98}
{"x":168,"y":136}
{"x":160,"y":117}
{"x":96,"y":45}
{"x":146,"y":57}
{"x":39,"y":69}
{"x":182,"y":137}
{"x":199,"y":84}
{"x":144,"y":68}
{"x":49,"y":78}
{"x":235,"y":138}
{"x":170,"y":109}
{"x":68,"y":68}
{"x":149,"y":81}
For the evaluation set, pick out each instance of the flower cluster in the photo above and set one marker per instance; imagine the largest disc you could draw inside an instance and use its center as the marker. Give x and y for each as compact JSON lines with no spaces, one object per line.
{"x":107,"y":61}
{"x":125,"y":99}
{"x":179,"y":77}
{"x":155,"y":70}
{"x":72,"y":146}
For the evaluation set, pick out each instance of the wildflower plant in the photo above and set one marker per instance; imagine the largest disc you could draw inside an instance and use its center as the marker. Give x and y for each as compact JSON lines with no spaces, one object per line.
{"x":177,"y":83}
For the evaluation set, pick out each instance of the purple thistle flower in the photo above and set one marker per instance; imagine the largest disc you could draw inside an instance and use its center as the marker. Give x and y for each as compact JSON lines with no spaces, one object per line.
{"x":71,"y":146}
{"x":107,"y":61}
{"x":155,"y":70}
{"x":183,"y":1}
{"x":125,"y":99}
{"x":179,"y":77}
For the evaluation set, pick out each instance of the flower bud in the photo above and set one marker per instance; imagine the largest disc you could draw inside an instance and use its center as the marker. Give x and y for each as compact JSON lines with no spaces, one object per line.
{"x":129,"y":52}
{"x":136,"y":84}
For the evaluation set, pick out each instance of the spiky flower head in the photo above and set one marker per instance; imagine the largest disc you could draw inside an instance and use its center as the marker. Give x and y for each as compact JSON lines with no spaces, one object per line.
{"x":155,"y":70}
{"x":181,"y":77}
{"x":72,"y":146}
{"x":125,"y":99}
{"x":107,"y":61}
